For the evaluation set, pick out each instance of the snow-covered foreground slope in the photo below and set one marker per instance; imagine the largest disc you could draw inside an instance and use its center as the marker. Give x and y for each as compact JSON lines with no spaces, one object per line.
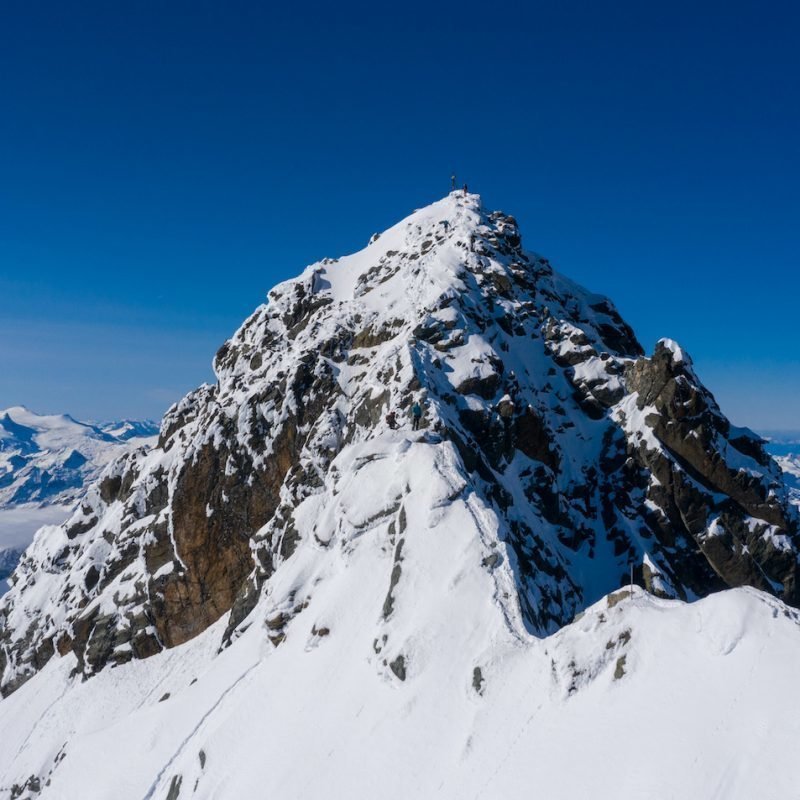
{"x":388,"y":658}
{"x":650,"y":699}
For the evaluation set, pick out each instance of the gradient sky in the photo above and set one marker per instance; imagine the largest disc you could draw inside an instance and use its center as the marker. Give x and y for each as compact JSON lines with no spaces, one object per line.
{"x":163,"y":164}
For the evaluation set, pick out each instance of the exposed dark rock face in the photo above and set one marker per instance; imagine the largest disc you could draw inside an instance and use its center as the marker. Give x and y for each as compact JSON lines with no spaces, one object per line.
{"x":717,"y":485}
{"x":588,"y":455}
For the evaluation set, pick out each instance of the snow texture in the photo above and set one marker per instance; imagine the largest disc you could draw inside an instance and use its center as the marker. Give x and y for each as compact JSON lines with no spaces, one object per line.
{"x":647,"y":698}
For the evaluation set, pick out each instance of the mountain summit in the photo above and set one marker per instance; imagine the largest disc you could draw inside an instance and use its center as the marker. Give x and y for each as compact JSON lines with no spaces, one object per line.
{"x":288,"y":533}
{"x":549,"y":441}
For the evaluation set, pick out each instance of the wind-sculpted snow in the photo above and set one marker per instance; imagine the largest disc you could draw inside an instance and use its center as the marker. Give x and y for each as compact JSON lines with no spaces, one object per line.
{"x":552,"y":455}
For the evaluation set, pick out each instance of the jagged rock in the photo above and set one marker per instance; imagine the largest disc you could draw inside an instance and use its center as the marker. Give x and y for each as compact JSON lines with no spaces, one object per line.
{"x":703,"y":457}
{"x":486,"y":386}
{"x":533,"y":438}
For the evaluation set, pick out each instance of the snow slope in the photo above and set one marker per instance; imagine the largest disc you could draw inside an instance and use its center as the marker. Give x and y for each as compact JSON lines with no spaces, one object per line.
{"x":704,"y":707}
{"x":288,"y":597}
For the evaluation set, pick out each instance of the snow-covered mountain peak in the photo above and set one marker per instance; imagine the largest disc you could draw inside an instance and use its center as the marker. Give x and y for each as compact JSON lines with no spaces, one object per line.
{"x":416,"y":263}
{"x":409,"y":511}
{"x":549,"y":456}
{"x":421,"y":246}
{"x":47,"y":458}
{"x":24,"y":416}
{"x":51,"y":431}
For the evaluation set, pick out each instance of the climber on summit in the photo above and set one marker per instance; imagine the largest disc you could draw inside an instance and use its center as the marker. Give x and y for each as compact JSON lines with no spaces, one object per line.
{"x":416,"y":415}
{"x":453,"y":182}
{"x":465,"y":190}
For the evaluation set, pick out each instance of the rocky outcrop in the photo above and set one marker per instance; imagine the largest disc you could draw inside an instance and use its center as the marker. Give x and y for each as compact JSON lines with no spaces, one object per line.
{"x":716,"y":484}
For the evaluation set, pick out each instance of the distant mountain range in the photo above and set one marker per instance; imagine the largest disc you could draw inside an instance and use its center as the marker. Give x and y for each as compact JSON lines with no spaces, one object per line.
{"x":782,"y":443}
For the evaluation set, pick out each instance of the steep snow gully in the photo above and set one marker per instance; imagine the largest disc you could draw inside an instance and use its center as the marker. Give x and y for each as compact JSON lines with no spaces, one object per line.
{"x":291,"y":597}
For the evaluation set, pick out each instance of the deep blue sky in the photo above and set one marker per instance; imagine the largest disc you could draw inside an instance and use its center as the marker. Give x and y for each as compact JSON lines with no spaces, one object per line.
{"x":163,"y":165}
